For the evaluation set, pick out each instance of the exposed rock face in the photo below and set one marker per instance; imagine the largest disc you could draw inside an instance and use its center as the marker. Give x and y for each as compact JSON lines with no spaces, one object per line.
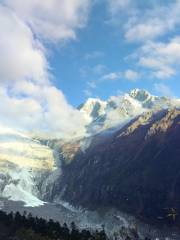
{"x":136,"y":170}
{"x":68,"y":151}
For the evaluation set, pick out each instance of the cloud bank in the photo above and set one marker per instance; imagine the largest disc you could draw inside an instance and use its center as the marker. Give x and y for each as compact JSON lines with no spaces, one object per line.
{"x":152,"y":28}
{"x":28,"y":99}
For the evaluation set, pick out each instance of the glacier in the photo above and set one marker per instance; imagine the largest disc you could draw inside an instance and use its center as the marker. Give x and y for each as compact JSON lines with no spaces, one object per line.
{"x":21,"y":160}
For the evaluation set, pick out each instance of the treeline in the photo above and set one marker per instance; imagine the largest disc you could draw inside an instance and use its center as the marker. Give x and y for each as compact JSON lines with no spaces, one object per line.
{"x":14,"y":226}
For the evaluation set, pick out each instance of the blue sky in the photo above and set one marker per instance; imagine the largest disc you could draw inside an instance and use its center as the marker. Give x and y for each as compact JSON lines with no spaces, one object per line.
{"x":101,"y":49}
{"x":57,"y":53}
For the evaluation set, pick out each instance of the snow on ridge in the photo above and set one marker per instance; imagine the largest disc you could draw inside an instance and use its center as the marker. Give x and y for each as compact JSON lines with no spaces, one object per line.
{"x":117,"y":110}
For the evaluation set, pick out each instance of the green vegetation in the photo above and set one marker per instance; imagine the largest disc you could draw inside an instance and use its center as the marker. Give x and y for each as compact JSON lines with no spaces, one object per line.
{"x":14,"y":226}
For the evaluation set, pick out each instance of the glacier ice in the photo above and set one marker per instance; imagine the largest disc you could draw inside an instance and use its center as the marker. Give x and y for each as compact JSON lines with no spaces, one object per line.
{"x":21,"y":160}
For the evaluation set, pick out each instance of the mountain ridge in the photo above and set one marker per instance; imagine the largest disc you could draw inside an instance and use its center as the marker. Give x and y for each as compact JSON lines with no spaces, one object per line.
{"x":117,"y":109}
{"x":135,"y":172}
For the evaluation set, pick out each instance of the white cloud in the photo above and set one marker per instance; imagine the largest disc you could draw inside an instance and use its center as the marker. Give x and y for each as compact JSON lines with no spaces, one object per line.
{"x":154,"y":22}
{"x":22,"y":56}
{"x":131,"y":75}
{"x":163,"y":59}
{"x":154,"y":25}
{"x":94,"y":55}
{"x":145,"y":31}
{"x":87,"y":71}
{"x":19,"y":113}
{"x":163,"y":89}
{"x":28,"y":99}
{"x":98,"y":69}
{"x":47,"y":112}
{"x":91,"y":84}
{"x":118,"y":5}
{"x":52,"y":19}
{"x":111,"y":76}
{"x":87,"y":93}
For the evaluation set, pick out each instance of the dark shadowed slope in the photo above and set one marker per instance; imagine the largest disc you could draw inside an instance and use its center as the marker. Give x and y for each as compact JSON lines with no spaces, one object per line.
{"x":136,"y":170}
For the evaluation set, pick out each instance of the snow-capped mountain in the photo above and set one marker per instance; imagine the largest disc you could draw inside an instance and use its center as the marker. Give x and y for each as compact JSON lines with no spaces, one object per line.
{"x":30,"y":169}
{"x":118,"y":110}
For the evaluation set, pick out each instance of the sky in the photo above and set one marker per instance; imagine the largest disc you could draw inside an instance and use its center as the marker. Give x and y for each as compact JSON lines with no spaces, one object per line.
{"x":57,"y":53}
{"x":123,"y":46}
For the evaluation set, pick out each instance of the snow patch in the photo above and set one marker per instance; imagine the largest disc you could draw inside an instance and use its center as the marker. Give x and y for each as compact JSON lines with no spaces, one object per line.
{"x":17,"y":193}
{"x":19,"y":185}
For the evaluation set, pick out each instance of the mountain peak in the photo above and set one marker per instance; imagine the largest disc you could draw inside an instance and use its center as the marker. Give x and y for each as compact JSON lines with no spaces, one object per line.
{"x":119,"y":109}
{"x":94,"y":107}
{"x":140,"y":94}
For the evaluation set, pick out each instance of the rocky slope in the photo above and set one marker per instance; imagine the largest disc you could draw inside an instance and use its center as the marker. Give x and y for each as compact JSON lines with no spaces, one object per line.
{"x":136,"y":169}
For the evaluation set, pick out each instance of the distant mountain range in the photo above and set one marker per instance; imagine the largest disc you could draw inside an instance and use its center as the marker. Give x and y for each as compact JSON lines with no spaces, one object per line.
{"x":118,"y":110}
{"x":129,"y":159}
